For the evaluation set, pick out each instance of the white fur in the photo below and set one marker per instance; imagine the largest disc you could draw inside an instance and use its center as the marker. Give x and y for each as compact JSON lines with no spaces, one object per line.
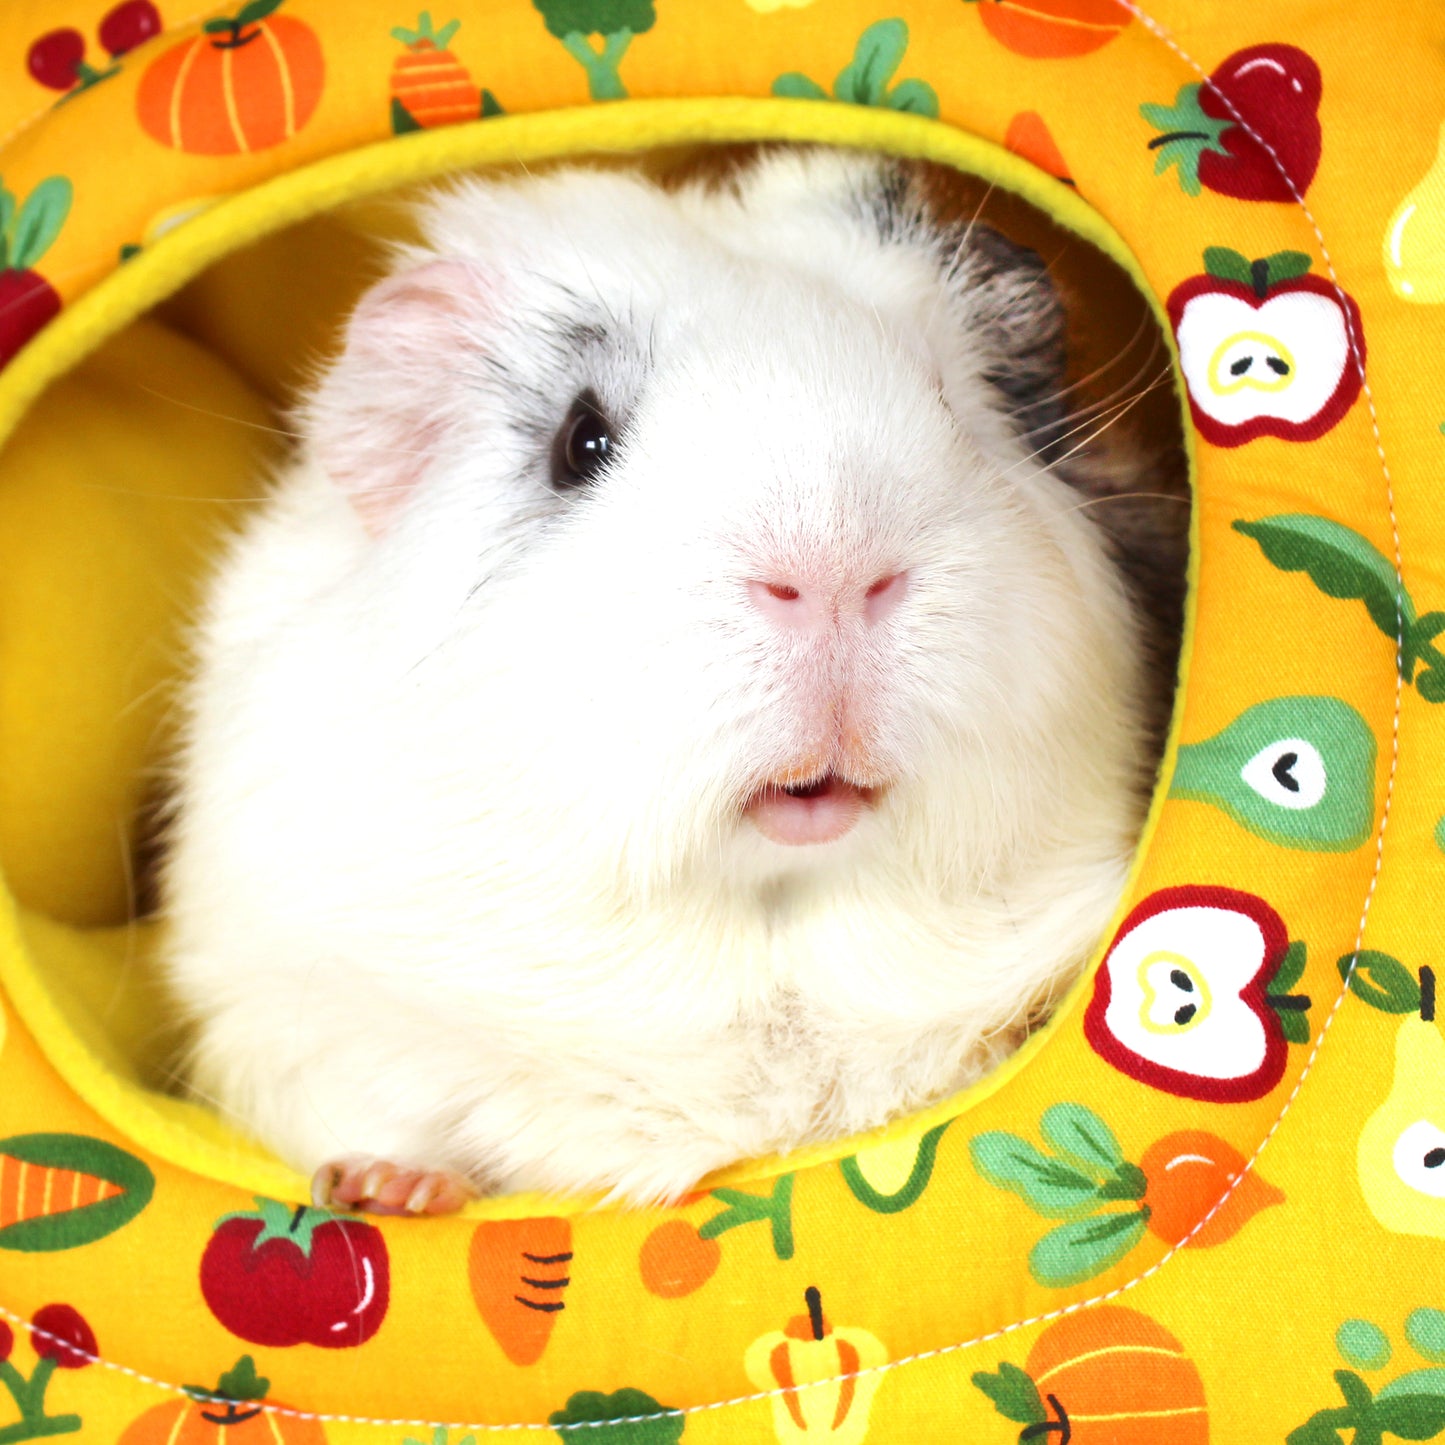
{"x":459,"y":876}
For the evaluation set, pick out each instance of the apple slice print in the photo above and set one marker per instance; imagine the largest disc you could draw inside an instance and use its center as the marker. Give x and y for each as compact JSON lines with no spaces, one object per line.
{"x":1252,"y":130}
{"x":1191,"y":996}
{"x":1267,"y":349}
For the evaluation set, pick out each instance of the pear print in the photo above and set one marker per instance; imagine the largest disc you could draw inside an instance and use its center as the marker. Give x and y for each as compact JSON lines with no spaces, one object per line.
{"x":1414,"y":245}
{"x":1298,"y":771}
{"x":1401,"y":1154}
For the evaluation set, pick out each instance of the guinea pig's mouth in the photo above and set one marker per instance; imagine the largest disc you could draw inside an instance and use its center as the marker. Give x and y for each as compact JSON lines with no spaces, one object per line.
{"x":819,"y":811}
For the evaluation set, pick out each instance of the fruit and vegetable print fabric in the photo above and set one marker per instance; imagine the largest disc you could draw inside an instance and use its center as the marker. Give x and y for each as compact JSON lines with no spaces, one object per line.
{"x":1208,"y":1202}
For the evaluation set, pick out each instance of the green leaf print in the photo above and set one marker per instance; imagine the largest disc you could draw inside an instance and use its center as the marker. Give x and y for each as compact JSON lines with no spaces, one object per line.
{"x":1425,"y":1329}
{"x":1014,"y":1394}
{"x":1049,"y":1186}
{"x":865,"y":79}
{"x":1083,"y":1248}
{"x":38,"y":222}
{"x":1344,"y":565}
{"x":1381,"y":981}
{"x":879,"y":53}
{"x":1081,"y":1136}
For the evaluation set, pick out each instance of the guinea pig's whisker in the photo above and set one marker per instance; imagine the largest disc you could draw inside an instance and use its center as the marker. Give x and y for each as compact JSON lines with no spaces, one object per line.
{"x":1129,"y":497}
{"x":1098,"y":371}
{"x":220,"y":415}
{"x":1104,"y":403}
{"x":1115,"y":414}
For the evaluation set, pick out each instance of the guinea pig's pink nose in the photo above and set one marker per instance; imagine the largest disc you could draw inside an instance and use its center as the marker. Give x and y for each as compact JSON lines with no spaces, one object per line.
{"x":790,"y":602}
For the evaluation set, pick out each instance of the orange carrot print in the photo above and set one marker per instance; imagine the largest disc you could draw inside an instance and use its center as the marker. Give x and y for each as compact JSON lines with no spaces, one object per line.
{"x":429,"y":85}
{"x":1029,"y":137}
{"x":519,"y":1271}
{"x":58,"y":1191}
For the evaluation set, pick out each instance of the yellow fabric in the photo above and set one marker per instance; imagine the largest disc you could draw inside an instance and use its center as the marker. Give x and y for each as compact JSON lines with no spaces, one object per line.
{"x":1289,"y":1260}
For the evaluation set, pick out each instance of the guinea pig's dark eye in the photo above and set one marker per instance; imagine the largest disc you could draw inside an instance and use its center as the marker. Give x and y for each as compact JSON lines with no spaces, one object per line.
{"x":582,"y":444}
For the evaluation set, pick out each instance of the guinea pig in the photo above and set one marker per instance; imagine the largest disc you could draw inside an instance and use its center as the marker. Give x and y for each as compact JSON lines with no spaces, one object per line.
{"x":679,"y":702}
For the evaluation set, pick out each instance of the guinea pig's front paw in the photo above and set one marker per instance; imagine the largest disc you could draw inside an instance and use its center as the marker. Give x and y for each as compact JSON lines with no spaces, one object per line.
{"x":377,"y":1186}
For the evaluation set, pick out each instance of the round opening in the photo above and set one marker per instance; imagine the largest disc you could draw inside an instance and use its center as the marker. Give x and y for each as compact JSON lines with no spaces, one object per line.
{"x":128,"y":476}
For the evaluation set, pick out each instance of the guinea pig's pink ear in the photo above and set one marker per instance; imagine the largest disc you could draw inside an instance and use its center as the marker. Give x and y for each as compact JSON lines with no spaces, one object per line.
{"x":380,"y":416}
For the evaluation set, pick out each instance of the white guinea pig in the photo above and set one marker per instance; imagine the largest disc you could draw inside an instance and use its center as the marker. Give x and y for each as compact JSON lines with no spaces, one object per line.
{"x":671,"y":709}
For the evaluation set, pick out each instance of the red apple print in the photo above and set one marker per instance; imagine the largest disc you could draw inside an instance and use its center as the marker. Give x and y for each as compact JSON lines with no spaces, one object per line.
{"x":28,"y":300}
{"x":284,"y":1275}
{"x":60,"y":1333}
{"x":1251,"y":130}
{"x":129,"y":25}
{"x":1266,"y":348}
{"x":1182,"y":1000}
{"x":54,"y":60}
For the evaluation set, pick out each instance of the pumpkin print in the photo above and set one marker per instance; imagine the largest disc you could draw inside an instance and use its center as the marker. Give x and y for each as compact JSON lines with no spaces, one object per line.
{"x":1051,"y":29}
{"x":233,"y":1413}
{"x":246,"y":82}
{"x":1105,"y":1376}
{"x":1121,"y":1376}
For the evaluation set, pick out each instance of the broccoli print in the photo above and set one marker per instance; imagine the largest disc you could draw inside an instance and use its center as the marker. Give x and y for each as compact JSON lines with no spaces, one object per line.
{"x":574,"y":22}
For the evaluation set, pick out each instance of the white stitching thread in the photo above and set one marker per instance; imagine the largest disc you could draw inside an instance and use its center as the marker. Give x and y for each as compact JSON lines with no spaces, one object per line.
{"x":1003,"y":1331}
